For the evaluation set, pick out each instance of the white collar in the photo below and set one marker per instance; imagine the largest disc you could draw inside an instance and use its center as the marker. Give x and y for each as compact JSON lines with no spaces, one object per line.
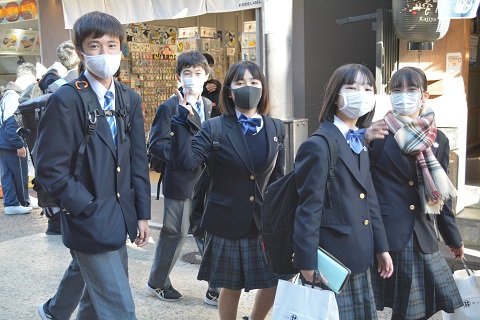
{"x":99,"y":89}
{"x":341,"y":126}
{"x":256,"y":115}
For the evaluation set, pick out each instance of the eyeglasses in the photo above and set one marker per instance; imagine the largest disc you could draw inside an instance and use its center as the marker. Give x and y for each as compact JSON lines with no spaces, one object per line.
{"x":409,"y":91}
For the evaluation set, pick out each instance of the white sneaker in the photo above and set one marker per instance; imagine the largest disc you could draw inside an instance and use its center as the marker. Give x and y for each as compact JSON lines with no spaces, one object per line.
{"x":17,"y":210}
{"x":34,"y":202}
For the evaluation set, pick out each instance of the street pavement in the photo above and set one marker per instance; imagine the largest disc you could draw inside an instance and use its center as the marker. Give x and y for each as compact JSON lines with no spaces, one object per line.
{"x":32,"y":264}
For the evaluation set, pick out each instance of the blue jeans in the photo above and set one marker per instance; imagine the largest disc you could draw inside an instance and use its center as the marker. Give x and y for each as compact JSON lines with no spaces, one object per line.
{"x":176,"y":221}
{"x":14,"y":179}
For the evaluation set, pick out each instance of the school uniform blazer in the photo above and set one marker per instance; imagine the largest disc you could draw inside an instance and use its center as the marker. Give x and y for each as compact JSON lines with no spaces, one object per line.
{"x":237,"y":189}
{"x":399,"y":200}
{"x":177,"y":183}
{"x":352,"y":228}
{"x":113,"y":189}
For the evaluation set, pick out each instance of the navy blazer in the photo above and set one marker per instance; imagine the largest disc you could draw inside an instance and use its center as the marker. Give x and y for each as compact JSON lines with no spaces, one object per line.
{"x":237,"y":189}
{"x":352,"y":229}
{"x":397,"y":191}
{"x":177,"y":184}
{"x":113,"y":189}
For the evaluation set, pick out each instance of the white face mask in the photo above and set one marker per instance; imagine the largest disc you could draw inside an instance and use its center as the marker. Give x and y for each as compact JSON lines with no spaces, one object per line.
{"x":406,"y":103}
{"x":194,"y":85}
{"x":103,"y":65}
{"x":357,"y":103}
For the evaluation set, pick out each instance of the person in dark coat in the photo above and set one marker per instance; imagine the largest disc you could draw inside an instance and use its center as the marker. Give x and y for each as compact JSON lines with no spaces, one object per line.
{"x":13,"y":153}
{"x":409,"y":172}
{"x":248,"y":158}
{"x":212,"y":87}
{"x":108,"y":200}
{"x":350,"y":228}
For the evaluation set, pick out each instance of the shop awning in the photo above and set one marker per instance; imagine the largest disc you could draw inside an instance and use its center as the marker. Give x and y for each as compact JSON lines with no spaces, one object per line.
{"x":131,"y":11}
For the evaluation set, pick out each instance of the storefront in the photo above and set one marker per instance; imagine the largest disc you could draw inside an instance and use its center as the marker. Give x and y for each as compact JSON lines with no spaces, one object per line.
{"x":158,"y":31}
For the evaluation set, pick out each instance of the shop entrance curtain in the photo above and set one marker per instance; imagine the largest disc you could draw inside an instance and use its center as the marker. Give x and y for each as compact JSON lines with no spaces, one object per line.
{"x":132,"y":11}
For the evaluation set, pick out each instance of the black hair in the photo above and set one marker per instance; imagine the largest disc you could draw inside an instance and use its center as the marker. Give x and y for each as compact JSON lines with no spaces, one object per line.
{"x":410,"y":77}
{"x":191,"y":59}
{"x":235,"y":73}
{"x":209,"y":58}
{"x":96,"y":24}
{"x":346,"y":74}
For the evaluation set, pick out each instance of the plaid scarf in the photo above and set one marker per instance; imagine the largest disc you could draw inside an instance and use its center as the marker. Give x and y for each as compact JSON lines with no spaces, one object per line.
{"x":415,"y":137}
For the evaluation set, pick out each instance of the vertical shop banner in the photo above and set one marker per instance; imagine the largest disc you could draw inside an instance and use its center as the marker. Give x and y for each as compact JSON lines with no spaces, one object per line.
{"x":74,"y":9}
{"x":233,"y":5}
{"x":175,"y":9}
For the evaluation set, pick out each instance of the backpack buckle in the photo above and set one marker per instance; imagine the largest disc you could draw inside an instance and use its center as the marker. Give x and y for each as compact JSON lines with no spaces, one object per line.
{"x":84,"y":85}
{"x":92,"y":117}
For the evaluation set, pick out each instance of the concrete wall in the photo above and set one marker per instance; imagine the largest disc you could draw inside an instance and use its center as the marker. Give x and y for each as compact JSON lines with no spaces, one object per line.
{"x":320,"y":45}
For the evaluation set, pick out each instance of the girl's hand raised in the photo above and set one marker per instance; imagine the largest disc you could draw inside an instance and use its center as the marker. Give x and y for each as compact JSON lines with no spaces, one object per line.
{"x":183,"y":101}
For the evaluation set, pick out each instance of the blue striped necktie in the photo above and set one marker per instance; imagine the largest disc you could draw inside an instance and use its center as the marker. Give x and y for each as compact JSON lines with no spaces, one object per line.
{"x":198,"y":108}
{"x":108,"y":105}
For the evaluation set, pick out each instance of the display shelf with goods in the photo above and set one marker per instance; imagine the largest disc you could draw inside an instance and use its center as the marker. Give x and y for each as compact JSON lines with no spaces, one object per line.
{"x":249,"y":41}
{"x":230,"y":40}
{"x":152,"y":75}
{"x":206,"y":40}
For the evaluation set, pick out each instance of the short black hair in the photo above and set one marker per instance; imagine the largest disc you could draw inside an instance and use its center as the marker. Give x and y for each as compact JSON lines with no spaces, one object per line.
{"x":191,"y":59}
{"x":346,"y":74}
{"x":209,"y":58}
{"x":236,"y":72}
{"x":98,"y":24}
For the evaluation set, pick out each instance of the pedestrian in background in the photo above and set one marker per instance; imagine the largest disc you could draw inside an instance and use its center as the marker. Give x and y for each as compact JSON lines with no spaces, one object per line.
{"x":13,"y":152}
{"x":109,"y":200}
{"x":212,"y":87}
{"x":248,"y":158}
{"x":350,"y":228}
{"x":414,"y":192}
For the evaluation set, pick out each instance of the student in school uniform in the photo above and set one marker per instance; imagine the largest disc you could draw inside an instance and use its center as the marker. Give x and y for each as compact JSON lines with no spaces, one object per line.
{"x":350,"y":227}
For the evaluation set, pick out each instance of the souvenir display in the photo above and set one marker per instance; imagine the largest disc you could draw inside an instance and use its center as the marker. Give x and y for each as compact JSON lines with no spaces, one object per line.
{"x":249,"y":41}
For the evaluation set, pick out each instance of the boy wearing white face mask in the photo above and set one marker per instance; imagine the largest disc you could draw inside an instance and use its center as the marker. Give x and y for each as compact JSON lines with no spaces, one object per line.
{"x":108,"y":199}
{"x":409,"y":171}
{"x":192,"y":71}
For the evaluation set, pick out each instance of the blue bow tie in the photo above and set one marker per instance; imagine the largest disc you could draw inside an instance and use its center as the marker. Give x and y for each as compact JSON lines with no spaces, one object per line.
{"x":354,"y":139}
{"x":249,"y":125}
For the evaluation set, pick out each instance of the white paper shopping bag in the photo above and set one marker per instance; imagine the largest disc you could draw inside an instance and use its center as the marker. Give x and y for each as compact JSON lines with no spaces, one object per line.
{"x":469,"y":287}
{"x":294,"y":301}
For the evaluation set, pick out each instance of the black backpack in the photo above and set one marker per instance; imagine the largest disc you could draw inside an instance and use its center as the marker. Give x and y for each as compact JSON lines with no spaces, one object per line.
{"x":278,"y":215}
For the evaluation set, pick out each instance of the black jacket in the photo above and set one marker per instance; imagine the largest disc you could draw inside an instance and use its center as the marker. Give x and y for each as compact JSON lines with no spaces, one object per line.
{"x":177,"y":183}
{"x":397,"y":192}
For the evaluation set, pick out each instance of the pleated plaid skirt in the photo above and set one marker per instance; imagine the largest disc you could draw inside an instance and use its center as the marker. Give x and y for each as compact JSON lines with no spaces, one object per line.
{"x":421,"y":284}
{"x":237,"y":264}
{"x":356,"y":301}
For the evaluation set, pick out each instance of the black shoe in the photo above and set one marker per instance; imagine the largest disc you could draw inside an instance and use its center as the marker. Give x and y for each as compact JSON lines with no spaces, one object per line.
{"x":211,"y":298}
{"x":167,"y":294}
{"x":54,"y":227}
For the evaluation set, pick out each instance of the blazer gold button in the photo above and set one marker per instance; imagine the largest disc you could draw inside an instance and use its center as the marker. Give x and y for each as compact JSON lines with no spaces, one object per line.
{"x":365,"y":222}
{"x":118,"y":169}
{"x":252,"y":198}
{"x":172,"y":134}
{"x":412,"y":207}
{"x":410,"y":183}
{"x":362,"y":196}
{"x":252,"y":177}
{"x":118,"y":194}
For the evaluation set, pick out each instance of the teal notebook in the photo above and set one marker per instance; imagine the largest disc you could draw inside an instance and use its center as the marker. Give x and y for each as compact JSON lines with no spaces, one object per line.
{"x":331,"y":268}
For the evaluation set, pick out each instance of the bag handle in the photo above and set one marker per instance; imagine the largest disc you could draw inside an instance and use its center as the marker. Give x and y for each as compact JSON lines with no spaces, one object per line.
{"x":464,"y":261}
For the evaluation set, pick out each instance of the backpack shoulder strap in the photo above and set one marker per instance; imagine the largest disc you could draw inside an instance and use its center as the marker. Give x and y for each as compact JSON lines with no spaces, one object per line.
{"x":125,"y":124}
{"x":216,"y":131}
{"x":332,"y":147}
{"x":85,"y":95}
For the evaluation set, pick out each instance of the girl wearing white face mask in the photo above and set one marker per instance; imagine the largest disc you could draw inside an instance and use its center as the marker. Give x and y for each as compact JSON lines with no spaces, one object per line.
{"x":349,"y":226}
{"x":415,"y":200}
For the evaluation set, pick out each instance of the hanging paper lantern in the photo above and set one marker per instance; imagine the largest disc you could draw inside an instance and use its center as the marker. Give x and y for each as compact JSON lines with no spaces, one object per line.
{"x":28,"y":9}
{"x":12,"y":11}
{"x":418,"y":23}
{"x":457,"y":9}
